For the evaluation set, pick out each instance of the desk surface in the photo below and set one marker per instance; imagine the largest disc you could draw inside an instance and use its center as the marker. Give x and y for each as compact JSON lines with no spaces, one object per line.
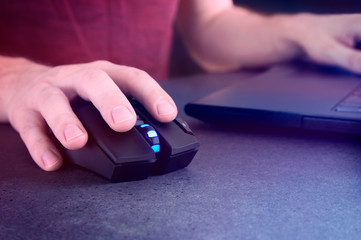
{"x":242,"y":184}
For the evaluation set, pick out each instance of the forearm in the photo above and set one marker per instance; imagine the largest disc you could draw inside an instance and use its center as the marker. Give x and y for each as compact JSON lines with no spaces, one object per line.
{"x":235,"y":37}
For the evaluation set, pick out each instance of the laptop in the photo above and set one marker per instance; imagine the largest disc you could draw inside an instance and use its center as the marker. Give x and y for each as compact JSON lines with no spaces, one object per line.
{"x":299,"y":95}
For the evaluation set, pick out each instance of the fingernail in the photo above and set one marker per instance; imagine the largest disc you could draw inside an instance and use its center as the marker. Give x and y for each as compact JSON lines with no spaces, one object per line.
{"x":165,"y":108}
{"x":121,"y":114}
{"x":49,"y":159}
{"x":72,"y":131}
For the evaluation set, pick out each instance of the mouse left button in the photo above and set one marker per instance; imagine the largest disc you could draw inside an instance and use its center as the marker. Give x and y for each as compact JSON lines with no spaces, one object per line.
{"x":116,"y":156}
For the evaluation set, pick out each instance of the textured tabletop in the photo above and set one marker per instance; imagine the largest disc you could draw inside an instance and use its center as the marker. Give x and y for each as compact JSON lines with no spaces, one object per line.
{"x":242,"y":184}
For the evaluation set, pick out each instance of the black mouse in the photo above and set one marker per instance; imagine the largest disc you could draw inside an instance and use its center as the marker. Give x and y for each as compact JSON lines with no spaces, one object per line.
{"x":149,"y":148}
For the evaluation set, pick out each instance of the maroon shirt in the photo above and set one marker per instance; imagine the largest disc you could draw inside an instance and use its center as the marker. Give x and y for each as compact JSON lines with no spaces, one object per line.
{"x":130,"y":32}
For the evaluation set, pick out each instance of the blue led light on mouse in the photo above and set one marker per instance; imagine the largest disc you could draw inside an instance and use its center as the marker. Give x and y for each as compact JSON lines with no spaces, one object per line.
{"x":149,"y":133}
{"x":156,"y":148}
{"x":152,"y":133}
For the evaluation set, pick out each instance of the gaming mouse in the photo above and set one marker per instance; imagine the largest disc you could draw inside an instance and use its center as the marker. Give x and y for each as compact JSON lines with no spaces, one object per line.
{"x":150,"y":147}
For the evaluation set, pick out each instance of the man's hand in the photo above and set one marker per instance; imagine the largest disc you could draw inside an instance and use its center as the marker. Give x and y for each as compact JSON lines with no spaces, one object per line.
{"x":35,"y":97}
{"x":221,"y":36}
{"x":327,"y":39}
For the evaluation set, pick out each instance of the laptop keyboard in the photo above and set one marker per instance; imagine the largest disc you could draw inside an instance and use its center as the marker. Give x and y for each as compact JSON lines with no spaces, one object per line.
{"x":352,"y":103}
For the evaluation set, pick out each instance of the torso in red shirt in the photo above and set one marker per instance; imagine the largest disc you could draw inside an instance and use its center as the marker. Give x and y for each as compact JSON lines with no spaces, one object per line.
{"x":129,"y":32}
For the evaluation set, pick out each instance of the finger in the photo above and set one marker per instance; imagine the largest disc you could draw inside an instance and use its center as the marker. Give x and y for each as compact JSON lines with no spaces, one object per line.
{"x":54,"y":106}
{"x":96,"y":86}
{"x":345,"y":57}
{"x":34,"y":132}
{"x":144,"y":88}
{"x":334,"y":53}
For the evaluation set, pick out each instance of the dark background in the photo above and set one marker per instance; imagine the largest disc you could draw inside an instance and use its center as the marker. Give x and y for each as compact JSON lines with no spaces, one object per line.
{"x":294,"y":6}
{"x":182,"y":64}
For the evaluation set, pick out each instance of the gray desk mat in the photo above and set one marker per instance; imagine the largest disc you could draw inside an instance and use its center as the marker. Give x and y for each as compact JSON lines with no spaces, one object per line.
{"x":242,"y":184}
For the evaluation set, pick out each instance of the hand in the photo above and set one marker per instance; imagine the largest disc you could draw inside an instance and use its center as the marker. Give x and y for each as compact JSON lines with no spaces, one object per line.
{"x":36,"y":97}
{"x":327,"y":39}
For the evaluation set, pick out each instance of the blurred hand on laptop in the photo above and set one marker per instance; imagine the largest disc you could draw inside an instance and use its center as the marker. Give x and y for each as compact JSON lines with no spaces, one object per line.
{"x":221,"y":36}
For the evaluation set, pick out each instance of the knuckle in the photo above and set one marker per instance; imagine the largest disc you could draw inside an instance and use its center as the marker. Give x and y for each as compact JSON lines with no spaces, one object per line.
{"x":154,"y":91}
{"x":140,"y":78}
{"x":61,"y":120}
{"x":54,"y":74}
{"x":25,"y":132}
{"x":102,"y":63}
{"x":15,"y":115}
{"x":35,"y":145}
{"x":59,"y":70}
{"x":93,"y":76}
{"x":138,"y":75}
{"x":50,"y":94}
{"x":30,"y":136}
{"x":40,"y":86}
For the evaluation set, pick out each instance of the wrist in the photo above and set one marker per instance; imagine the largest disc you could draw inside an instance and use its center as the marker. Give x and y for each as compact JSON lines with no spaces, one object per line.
{"x":296,"y":31}
{"x":288,"y":29}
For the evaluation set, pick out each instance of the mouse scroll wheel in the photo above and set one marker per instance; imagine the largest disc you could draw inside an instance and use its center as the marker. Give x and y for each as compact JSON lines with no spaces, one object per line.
{"x":139,"y":121}
{"x":151,"y":135}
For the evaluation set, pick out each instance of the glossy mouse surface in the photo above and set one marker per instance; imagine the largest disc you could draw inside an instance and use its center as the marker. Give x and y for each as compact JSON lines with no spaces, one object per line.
{"x":150,"y":147}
